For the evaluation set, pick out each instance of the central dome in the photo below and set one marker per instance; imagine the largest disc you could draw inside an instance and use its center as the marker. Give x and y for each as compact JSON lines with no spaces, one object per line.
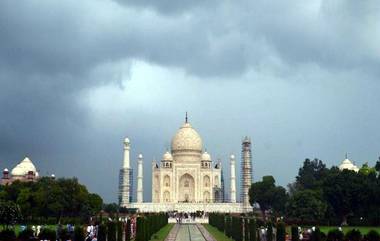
{"x":186,"y":140}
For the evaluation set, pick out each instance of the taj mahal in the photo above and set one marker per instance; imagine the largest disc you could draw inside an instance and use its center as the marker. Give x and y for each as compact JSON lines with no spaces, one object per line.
{"x":186,"y":179}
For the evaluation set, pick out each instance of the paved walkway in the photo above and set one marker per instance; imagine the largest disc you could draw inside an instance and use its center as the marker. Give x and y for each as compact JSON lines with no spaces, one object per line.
{"x":189,"y":232}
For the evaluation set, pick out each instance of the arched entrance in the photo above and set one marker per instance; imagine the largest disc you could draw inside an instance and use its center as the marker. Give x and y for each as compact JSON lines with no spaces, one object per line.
{"x":186,"y":188}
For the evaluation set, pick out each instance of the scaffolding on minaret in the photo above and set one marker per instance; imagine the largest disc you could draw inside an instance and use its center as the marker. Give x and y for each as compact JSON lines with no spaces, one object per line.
{"x":246,"y":172}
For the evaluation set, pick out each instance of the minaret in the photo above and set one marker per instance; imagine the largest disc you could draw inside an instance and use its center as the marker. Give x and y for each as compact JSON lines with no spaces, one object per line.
{"x":246,"y":172}
{"x":140,"y":179}
{"x":125,"y":177}
{"x":233,"y":179}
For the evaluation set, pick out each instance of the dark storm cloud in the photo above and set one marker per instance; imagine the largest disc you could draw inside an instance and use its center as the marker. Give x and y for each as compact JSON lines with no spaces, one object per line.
{"x":168,"y":6}
{"x":51,"y":52}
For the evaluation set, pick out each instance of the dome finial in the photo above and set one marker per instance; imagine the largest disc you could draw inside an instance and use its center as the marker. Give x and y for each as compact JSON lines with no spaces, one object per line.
{"x":186,"y":117}
{"x":346,"y":155}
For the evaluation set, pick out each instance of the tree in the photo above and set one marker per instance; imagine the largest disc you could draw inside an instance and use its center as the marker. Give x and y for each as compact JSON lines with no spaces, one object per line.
{"x":10,"y":213}
{"x":306,"y":205}
{"x":311,"y":174}
{"x":268,"y":195}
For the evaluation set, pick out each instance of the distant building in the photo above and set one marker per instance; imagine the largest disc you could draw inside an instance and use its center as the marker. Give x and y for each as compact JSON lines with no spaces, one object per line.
{"x":25,"y":171}
{"x":348,"y":165}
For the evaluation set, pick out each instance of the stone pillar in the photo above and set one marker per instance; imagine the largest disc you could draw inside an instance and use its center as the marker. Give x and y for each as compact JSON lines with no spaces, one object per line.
{"x":140,"y":179}
{"x":246,"y":173}
{"x":126,"y":161}
{"x":125,"y":177}
{"x":233,"y":179}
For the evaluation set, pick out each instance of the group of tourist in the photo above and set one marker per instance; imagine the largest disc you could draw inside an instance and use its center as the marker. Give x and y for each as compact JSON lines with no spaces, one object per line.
{"x":190,"y":216}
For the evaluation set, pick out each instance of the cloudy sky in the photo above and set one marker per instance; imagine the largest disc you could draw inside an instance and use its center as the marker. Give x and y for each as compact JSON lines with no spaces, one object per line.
{"x":76,"y":77}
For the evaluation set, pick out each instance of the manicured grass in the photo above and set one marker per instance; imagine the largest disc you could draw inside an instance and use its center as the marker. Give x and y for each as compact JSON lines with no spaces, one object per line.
{"x":345,"y":229}
{"x":219,"y":236}
{"x":17,"y":228}
{"x":162,"y":233}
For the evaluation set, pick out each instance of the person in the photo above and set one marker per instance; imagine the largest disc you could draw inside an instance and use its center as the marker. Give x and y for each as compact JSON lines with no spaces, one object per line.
{"x":38,"y":230}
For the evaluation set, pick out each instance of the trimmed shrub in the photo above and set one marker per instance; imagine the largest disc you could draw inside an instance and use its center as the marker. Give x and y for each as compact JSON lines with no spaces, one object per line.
{"x":119,"y":227}
{"x":372,"y":236}
{"x":111,"y":231}
{"x":316,"y":235}
{"x":102,"y":232}
{"x":7,"y":235}
{"x":47,"y":234}
{"x":269,"y":231}
{"x":252,"y":230}
{"x":246,"y":228}
{"x":335,"y":235}
{"x":354,"y":235}
{"x":25,"y":235}
{"x":140,"y":229}
{"x":128,"y":230}
{"x":79,"y":233}
{"x":280,"y":235}
{"x":295,"y":234}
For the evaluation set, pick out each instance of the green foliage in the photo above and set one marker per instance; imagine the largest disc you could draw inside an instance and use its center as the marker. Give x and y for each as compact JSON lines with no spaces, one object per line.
{"x":79,"y":234}
{"x":102,"y":232}
{"x":25,"y":235}
{"x":295,"y":234}
{"x":47,"y":234}
{"x":354,"y":235}
{"x":306,"y":205}
{"x":119,"y":227}
{"x":268,"y":195}
{"x":280,"y":228}
{"x":330,"y":196}
{"x":252,"y":230}
{"x":335,"y":235}
{"x":372,"y":236}
{"x":316,"y":235}
{"x":7,"y":235}
{"x":246,"y":228}
{"x":269,"y":231}
{"x":149,"y":224}
{"x":10,"y":213}
{"x":128,"y":231}
{"x":111,"y":231}
{"x":311,"y":174}
{"x":52,"y":198}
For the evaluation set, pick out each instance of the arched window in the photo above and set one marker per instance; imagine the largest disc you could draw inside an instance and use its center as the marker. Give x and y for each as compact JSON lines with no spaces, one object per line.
{"x":216,"y":181}
{"x":206,"y":197}
{"x":206,"y":181}
{"x":167,"y":181}
{"x":166,"y":196}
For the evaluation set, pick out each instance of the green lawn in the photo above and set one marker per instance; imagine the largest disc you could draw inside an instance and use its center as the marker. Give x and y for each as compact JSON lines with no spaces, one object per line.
{"x":162,"y":233}
{"x":363,"y":230}
{"x":326,"y":229}
{"x":219,"y":236}
{"x":17,"y":228}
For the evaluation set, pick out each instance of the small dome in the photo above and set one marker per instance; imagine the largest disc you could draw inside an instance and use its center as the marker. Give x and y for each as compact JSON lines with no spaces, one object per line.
{"x":6,"y":170}
{"x":206,"y":156}
{"x":52,"y":175}
{"x":232,"y":156}
{"x":23,"y":168}
{"x":186,"y":139}
{"x":126,"y":140}
{"x":37,"y":174}
{"x":348,"y":165}
{"x":140,"y":156}
{"x":167,"y":156}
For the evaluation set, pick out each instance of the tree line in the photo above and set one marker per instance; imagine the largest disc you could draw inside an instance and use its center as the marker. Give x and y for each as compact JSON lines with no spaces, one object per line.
{"x":321,"y":195}
{"x":47,"y":199}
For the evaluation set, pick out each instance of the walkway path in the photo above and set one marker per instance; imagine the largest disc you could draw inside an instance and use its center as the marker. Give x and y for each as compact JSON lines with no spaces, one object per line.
{"x":189,"y":232}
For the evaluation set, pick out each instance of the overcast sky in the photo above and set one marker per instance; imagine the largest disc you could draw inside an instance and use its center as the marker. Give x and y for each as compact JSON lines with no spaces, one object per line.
{"x":301,"y":78}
